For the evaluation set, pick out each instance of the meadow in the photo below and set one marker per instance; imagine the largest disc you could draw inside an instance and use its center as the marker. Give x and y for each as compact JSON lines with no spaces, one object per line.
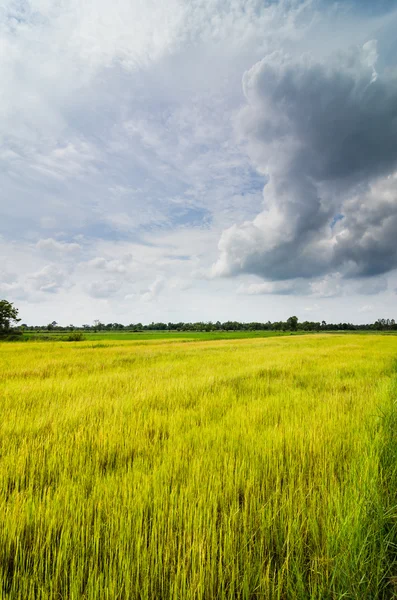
{"x":257,"y":468}
{"x":154,"y":335}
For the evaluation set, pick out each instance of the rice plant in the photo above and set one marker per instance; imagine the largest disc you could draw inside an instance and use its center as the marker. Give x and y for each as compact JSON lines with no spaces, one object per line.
{"x":231,"y":469}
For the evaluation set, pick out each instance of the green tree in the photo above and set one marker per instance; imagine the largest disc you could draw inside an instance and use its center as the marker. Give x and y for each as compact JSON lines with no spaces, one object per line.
{"x":8,"y":316}
{"x":292,"y":323}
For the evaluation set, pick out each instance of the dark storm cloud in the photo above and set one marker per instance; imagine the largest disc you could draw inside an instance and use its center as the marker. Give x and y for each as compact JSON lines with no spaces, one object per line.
{"x":342,"y":116}
{"x":325,"y":133}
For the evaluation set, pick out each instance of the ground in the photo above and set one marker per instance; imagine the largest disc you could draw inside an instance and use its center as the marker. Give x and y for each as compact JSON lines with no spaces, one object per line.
{"x":175,"y":468}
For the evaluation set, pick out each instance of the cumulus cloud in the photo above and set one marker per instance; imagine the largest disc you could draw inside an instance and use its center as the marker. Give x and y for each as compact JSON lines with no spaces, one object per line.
{"x":366,"y":241}
{"x":325,"y":135}
{"x":49,"y":279}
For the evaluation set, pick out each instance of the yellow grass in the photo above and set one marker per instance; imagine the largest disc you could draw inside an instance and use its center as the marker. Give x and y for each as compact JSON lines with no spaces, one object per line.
{"x":252,"y":469}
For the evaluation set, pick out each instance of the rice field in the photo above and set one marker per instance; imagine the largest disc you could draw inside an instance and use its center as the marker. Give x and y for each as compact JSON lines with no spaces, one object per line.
{"x":260,"y":468}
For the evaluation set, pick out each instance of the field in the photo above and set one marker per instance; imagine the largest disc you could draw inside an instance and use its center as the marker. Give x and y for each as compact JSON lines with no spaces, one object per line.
{"x":257,"y":468}
{"x":159,"y":335}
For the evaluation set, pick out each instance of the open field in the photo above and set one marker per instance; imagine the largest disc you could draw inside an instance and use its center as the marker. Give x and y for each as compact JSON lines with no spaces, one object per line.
{"x":188,"y":336}
{"x":164,"y":335}
{"x":240,"y":468}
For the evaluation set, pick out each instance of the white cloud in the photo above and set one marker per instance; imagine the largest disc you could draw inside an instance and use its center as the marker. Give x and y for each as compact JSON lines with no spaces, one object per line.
{"x":327,"y":287}
{"x":54,"y":246}
{"x":153,"y":290}
{"x":120,"y":266}
{"x":275,"y":287}
{"x":68,"y":160}
{"x":49,"y":279}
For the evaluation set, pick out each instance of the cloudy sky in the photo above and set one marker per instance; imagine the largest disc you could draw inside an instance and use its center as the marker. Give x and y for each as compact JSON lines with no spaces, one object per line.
{"x":198,"y":160}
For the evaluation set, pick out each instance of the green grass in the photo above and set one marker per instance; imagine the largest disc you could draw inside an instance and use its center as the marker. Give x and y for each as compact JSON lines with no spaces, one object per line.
{"x":240,"y":468}
{"x":180,"y":335}
{"x":162,"y":335}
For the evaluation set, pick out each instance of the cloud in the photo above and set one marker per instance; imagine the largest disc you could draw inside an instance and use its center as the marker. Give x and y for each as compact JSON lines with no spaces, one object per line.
{"x":121,"y":131}
{"x":70,"y":160}
{"x":49,"y":279}
{"x":324,"y":133}
{"x":283,"y":288}
{"x":7,"y":277}
{"x":153,"y":290}
{"x":54,"y":246}
{"x":366,"y":240}
{"x":10,"y":287}
{"x":328,"y":286}
{"x":104,"y":289}
{"x":115,"y":266}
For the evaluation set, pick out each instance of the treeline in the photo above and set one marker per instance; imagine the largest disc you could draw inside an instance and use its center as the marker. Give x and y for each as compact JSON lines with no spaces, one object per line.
{"x":291,"y":324}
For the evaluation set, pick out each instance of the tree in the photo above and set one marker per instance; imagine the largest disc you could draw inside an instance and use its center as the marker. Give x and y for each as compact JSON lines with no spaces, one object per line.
{"x":98,"y":326}
{"x":8,"y":316}
{"x":292,"y":323}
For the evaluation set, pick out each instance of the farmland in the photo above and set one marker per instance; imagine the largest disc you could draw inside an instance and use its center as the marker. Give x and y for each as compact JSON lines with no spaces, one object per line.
{"x":155,"y":335}
{"x":253,"y":468}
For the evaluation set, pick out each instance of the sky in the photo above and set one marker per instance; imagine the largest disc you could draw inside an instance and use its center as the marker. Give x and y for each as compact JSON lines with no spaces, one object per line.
{"x":197,"y":160}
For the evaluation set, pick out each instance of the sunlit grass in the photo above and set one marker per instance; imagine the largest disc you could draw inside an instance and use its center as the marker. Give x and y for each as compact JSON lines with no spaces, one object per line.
{"x":253,"y":469}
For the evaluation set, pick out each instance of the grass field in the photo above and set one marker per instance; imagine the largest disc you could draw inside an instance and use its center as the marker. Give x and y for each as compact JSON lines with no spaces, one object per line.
{"x":238,"y":468}
{"x":162,"y":335}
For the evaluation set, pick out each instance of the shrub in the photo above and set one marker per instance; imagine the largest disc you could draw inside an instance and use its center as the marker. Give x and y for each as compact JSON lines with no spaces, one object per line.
{"x":77,"y":336}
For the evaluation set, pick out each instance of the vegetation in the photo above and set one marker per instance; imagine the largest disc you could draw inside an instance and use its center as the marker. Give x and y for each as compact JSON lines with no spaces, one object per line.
{"x":291,"y":324}
{"x":254,"y":468}
{"x":166,"y":336}
{"x":8,"y":317}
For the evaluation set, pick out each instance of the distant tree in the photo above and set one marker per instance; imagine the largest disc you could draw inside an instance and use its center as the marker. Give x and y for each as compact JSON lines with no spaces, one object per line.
{"x":292,"y":323}
{"x":8,"y":316}
{"x":98,"y":326}
{"x":380,"y":324}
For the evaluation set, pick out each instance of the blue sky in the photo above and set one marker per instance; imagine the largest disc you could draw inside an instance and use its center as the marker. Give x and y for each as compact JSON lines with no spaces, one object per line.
{"x":193,"y":160}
